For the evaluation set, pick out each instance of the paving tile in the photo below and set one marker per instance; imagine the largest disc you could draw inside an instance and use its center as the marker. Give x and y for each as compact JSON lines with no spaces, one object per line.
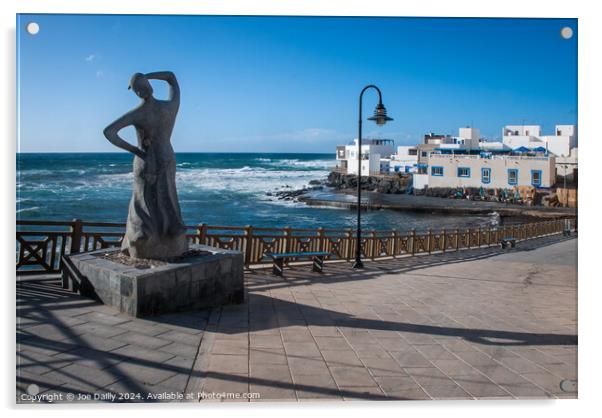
{"x":383,"y":367}
{"x":180,"y":337}
{"x":393,"y":344}
{"x":105,"y":319}
{"x":273,"y":392}
{"x":263,"y":356}
{"x":266,"y":341}
{"x":481,"y":387}
{"x":302,"y":349}
{"x":37,"y":363}
{"x":296,"y":335}
{"x":89,"y":357}
{"x":227,"y":363}
{"x":526,"y":390}
{"x":520,"y":365}
{"x":410,"y":358}
{"x":332,"y":343}
{"x":316,"y":386}
{"x":547,"y":381}
{"x":396,"y":384}
{"x":301,"y":366}
{"x":230,"y":347}
{"x":362,"y":393}
{"x":341,"y":358}
{"x":142,"y":373}
{"x":216,"y":385}
{"x":352,"y":376}
{"x":455,"y":367}
{"x":87,"y":378}
{"x":178,"y":349}
{"x":99,"y":330}
{"x":97,"y":343}
{"x":137,"y":354}
{"x":272,"y":373}
{"x":142,"y":340}
{"x":324,"y":331}
{"x":435,"y":352}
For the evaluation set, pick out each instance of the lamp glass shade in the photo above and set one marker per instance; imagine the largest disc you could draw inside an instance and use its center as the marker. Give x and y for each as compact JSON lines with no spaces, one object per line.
{"x":380,"y":115}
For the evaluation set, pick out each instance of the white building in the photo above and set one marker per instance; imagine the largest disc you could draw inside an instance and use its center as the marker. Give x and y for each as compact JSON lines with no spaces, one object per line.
{"x":529,"y":136}
{"x":373,"y":151}
{"x":494,"y":171}
{"x":405,"y":159}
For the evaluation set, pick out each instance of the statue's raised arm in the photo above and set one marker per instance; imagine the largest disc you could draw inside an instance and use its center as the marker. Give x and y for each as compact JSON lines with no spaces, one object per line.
{"x":170,"y":78}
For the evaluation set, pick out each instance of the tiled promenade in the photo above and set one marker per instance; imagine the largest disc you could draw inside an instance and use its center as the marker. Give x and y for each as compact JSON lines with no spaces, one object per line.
{"x":475,"y":324}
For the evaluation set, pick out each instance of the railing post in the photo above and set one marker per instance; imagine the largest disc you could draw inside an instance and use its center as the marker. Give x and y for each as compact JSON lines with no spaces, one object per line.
{"x":350,"y":248}
{"x":248,"y":245}
{"x":77,"y":229}
{"x":479,"y":237}
{"x":202,"y":234}
{"x":457,"y":239}
{"x":443,"y":240}
{"x":287,"y":239}
{"x":320,"y":239}
{"x":413,"y":237}
{"x":395,"y":238}
{"x":429,"y":240}
{"x":468,"y":233}
{"x":489,"y":236}
{"x":373,"y":247}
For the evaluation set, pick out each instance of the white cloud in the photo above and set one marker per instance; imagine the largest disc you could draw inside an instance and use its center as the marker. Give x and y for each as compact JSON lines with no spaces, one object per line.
{"x":100,"y":74}
{"x":90,"y":57}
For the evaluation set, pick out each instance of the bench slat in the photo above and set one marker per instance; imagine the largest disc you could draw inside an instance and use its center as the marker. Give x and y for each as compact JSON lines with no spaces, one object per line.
{"x":291,"y":255}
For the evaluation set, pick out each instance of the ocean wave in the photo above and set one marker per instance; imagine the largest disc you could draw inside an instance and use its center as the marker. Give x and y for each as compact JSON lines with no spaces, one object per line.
{"x":316,"y":164}
{"x":243,"y":180}
{"x":31,"y":209}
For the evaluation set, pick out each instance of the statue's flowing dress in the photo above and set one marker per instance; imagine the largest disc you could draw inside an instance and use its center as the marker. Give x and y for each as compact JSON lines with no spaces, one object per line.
{"x":154,"y":226}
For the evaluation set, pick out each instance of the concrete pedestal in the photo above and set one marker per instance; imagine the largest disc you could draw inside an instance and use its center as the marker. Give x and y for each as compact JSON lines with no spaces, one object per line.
{"x":195,"y":282}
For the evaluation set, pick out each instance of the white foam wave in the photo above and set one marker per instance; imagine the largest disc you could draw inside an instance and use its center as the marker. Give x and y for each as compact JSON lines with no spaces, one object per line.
{"x":322,"y":164}
{"x":31,"y":209}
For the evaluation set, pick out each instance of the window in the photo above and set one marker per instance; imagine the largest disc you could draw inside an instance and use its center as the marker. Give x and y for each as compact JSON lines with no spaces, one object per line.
{"x":536,"y":178}
{"x":463,"y":172}
{"x":412,"y":151}
{"x":512,"y":176}
{"x":436,"y":171}
{"x":424,"y":153}
{"x":485,"y":175}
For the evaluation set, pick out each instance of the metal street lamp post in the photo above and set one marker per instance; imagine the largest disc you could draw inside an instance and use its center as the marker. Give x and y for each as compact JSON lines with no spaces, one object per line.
{"x":380,"y":117}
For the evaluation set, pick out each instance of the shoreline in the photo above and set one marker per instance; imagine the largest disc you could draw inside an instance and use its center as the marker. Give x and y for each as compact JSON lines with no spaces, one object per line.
{"x":403,"y":202}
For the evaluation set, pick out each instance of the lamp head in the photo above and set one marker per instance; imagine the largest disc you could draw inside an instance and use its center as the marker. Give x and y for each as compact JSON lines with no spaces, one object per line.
{"x":380,"y":115}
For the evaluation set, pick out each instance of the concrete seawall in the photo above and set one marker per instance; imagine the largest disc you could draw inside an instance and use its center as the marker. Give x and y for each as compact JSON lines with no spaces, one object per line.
{"x":404,"y":202}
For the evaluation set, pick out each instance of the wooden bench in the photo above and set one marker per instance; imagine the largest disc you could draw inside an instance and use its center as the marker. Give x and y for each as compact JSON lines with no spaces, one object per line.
{"x":508,"y":242}
{"x":279,"y":258}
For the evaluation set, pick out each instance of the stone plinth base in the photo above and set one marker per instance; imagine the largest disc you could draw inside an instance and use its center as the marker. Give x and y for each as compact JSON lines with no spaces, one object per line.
{"x":195,"y":282}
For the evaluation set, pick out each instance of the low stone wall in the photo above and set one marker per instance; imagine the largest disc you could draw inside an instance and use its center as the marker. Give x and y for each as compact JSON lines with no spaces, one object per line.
{"x":528,"y":195}
{"x":393,"y":184}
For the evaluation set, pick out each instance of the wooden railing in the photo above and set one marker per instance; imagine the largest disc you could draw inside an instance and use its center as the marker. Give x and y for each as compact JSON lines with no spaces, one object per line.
{"x":41,"y":244}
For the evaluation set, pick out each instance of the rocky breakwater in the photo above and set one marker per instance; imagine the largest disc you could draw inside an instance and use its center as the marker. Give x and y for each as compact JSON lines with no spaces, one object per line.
{"x":287,"y":193}
{"x":387,"y":184}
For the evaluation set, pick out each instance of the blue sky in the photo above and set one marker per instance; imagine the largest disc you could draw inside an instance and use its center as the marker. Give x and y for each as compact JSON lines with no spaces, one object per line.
{"x":291,"y":84}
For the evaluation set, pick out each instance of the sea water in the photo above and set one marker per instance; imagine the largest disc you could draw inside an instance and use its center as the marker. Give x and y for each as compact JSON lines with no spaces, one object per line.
{"x":214,"y":188}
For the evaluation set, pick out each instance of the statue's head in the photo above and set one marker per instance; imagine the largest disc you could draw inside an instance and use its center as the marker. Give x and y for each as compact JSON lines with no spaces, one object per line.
{"x":141,"y":86}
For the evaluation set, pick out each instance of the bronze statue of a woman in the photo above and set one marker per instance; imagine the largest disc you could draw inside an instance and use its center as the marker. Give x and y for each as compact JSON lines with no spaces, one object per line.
{"x":154,"y":225}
